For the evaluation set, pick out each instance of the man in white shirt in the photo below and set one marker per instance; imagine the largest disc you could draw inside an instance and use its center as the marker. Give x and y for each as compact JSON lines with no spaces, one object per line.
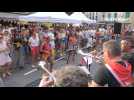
{"x":52,"y":38}
{"x":52,"y":41}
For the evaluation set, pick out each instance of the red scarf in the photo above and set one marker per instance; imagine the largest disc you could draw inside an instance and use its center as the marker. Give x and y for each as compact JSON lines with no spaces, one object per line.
{"x":123,"y":72}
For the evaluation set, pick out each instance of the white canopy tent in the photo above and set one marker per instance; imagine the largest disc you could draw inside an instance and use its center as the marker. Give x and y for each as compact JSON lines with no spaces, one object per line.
{"x":81,"y":17}
{"x":9,"y":15}
{"x":54,"y":17}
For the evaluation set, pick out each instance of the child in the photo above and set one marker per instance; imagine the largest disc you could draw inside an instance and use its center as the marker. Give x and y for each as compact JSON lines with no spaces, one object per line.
{"x":47,"y":53}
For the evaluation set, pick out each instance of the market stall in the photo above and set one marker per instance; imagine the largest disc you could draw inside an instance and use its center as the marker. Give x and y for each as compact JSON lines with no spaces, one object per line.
{"x":81,"y":17}
{"x":53,"y":17}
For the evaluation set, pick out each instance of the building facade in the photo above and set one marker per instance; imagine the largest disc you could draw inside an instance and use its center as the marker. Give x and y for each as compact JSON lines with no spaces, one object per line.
{"x":131,"y":19}
{"x":92,"y":15}
{"x":109,"y":16}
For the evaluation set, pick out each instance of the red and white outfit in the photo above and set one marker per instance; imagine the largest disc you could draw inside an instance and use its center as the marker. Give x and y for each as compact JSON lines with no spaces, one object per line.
{"x":34,"y":44}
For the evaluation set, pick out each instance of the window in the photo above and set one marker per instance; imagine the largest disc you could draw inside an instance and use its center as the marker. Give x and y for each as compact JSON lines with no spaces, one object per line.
{"x":103,"y":15}
{"x":96,"y":18}
{"x":93,"y":15}
{"x":115,"y":15}
{"x":90,"y":15}
{"x":109,"y":15}
{"x":127,"y":15}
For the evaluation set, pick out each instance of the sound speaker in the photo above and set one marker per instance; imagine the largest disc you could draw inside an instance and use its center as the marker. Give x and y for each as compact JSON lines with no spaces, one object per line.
{"x":117,"y":28}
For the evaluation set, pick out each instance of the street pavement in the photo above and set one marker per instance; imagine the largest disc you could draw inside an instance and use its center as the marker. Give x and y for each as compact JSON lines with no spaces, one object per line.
{"x":20,"y":78}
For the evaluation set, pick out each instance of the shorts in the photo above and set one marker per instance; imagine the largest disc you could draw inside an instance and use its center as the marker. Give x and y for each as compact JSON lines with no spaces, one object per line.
{"x":35,"y":51}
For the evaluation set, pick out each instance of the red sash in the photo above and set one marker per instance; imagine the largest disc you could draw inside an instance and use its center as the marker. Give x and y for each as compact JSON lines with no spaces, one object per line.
{"x":121,"y":73}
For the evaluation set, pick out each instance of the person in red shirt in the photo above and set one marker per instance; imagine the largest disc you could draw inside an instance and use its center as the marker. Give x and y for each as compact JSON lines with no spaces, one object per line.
{"x":72,"y":41}
{"x":58,"y":41}
{"x":47,"y":53}
{"x":97,"y":33}
{"x":97,"y":36}
{"x":116,"y":72}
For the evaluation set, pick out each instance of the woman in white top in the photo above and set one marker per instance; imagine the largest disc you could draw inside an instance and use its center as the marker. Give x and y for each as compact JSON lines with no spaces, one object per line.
{"x":34,"y":45}
{"x":5,"y":60}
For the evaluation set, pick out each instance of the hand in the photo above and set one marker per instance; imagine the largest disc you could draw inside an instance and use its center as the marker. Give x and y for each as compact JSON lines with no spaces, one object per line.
{"x":46,"y":82}
{"x":94,"y":52}
{"x":93,"y":84}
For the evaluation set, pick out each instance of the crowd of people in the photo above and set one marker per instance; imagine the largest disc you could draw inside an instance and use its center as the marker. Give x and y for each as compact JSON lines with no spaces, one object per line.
{"x":27,"y":44}
{"x":21,"y":45}
{"x":115,"y":71}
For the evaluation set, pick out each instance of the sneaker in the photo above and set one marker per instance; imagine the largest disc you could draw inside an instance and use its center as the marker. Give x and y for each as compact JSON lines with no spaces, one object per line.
{"x":33,"y":66}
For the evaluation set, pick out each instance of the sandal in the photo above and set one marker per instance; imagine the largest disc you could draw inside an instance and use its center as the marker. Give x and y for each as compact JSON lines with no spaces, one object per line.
{"x":9,"y":73}
{"x":4,"y":75}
